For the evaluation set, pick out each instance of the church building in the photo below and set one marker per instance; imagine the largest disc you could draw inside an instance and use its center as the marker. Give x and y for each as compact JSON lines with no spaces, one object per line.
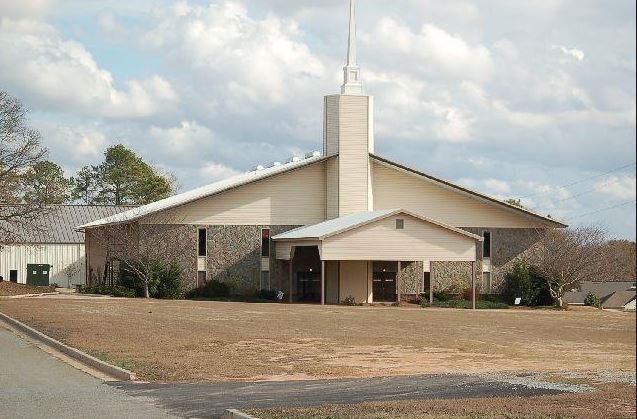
{"x":341,"y":224}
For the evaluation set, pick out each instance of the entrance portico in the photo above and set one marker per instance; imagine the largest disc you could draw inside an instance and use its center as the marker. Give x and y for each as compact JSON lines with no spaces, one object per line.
{"x":361,"y":256}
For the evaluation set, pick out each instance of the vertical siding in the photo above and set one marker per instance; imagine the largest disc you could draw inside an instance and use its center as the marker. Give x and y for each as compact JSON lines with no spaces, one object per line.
{"x":382,"y":241}
{"x":60,"y":256}
{"x":332,"y":188}
{"x":354,"y":155}
{"x":393,"y":188}
{"x":292,"y":198}
{"x":331,"y":128}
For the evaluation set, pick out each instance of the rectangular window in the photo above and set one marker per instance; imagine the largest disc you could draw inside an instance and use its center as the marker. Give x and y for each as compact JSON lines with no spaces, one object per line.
{"x":486,"y":244}
{"x":203,"y":239}
{"x":265,"y":243}
{"x":400,"y":224}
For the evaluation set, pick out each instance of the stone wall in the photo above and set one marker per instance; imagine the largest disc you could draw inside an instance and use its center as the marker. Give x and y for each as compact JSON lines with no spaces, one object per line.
{"x":507,"y":246}
{"x":411,"y":279}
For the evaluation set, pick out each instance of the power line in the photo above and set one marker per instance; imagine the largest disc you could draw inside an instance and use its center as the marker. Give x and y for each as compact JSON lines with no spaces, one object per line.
{"x":604,"y":209}
{"x":577,"y":182}
{"x":587,"y":191}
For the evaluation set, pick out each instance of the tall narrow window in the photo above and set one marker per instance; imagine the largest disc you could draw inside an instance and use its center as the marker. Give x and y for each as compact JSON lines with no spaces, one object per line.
{"x":203,"y":245}
{"x":265,"y":243}
{"x":486,"y":245}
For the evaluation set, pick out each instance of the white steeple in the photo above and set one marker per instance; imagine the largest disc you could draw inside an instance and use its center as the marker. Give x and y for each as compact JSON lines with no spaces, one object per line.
{"x":352,"y":84}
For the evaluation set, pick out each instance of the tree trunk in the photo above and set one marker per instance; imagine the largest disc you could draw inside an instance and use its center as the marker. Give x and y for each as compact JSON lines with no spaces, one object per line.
{"x":146,"y":293}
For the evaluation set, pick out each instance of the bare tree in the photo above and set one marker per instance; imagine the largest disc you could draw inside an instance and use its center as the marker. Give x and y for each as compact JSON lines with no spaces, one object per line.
{"x":567,"y":257}
{"x":21,"y":154}
{"x":139,"y":248}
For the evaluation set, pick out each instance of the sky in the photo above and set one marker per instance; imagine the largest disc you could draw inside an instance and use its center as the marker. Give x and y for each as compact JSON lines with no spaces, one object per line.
{"x":515,"y":99}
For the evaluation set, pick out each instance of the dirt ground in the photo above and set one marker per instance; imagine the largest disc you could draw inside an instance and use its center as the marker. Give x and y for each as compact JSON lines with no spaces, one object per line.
{"x":192,"y":341}
{"x":11,"y":288}
{"x":608,"y":401}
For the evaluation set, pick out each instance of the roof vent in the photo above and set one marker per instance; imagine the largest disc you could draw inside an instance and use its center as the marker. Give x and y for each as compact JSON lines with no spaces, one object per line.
{"x":276,"y":164}
{"x":295,"y":159}
{"x":259,"y":168}
{"x":313,"y":154}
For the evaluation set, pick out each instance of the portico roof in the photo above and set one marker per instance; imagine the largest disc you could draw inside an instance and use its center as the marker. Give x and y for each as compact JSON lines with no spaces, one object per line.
{"x":340,"y":225}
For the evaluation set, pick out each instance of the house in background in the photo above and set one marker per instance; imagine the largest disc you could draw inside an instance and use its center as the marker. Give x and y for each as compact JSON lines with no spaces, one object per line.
{"x":54,"y":249}
{"x":615,"y":295}
{"x":342,"y":224}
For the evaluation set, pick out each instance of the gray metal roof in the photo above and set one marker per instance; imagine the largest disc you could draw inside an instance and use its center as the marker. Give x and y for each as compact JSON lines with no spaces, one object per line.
{"x":205,"y":191}
{"x":58,"y":224}
{"x":339,"y":225}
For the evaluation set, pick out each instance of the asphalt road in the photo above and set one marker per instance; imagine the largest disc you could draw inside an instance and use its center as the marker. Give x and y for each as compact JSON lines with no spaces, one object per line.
{"x":209,"y":400}
{"x":34,"y":384}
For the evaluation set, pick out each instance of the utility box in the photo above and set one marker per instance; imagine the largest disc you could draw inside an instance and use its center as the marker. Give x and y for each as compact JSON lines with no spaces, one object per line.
{"x":38,"y":274}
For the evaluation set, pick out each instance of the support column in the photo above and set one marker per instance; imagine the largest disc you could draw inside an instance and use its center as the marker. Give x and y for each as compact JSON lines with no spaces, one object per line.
{"x":322,"y":282}
{"x":473,"y":285}
{"x":431,"y":284}
{"x":291,"y":275}
{"x":398,"y":281}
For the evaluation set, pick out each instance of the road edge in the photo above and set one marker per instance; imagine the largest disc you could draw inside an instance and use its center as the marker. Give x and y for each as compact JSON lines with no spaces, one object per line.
{"x":76,"y":354}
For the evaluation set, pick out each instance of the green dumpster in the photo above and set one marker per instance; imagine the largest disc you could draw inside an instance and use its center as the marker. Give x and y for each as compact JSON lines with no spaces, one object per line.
{"x":38,"y":274}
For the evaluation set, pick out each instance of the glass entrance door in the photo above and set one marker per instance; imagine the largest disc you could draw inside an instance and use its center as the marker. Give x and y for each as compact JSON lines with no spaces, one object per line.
{"x":384,"y":287}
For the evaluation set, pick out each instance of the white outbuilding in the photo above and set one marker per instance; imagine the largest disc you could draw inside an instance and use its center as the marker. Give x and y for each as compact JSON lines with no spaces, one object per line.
{"x":54,"y":252}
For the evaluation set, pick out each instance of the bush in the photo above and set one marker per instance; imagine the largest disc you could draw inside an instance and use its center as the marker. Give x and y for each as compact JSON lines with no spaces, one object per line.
{"x":442,"y":296}
{"x":592,"y":300}
{"x":467,"y":304}
{"x":117,"y":291}
{"x":269,"y":295}
{"x":524,"y":282}
{"x":165,"y":280}
{"x":211,"y":289}
{"x":350,"y":301}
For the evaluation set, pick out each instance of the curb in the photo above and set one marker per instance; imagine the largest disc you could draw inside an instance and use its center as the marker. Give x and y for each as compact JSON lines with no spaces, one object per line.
{"x":235,"y":414}
{"x":84,"y":358}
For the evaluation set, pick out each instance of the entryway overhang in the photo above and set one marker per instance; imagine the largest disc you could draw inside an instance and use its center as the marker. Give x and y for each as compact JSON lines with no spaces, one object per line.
{"x":389,"y":235}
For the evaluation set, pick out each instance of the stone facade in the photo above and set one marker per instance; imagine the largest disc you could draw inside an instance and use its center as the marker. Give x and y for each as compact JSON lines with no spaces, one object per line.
{"x":234,"y":256}
{"x":411,"y":280}
{"x":507,"y":246}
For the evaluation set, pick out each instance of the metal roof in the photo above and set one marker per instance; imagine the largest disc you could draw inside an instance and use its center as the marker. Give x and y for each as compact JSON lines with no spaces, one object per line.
{"x":467,"y":191}
{"x":339,"y":225}
{"x":205,"y":191}
{"x":58,"y":224}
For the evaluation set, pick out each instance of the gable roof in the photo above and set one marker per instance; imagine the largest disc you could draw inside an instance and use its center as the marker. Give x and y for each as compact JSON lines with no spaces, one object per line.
{"x":467,"y":191}
{"x":205,"y":191}
{"x":58,"y":224}
{"x":619,"y":299}
{"x":340,"y":225}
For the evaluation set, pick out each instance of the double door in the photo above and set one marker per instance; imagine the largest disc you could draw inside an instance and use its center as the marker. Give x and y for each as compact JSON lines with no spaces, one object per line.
{"x":384,"y":287}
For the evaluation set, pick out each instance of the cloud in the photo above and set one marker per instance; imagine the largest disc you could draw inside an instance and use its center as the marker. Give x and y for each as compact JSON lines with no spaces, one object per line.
{"x":245,"y":60}
{"x":213,"y":172}
{"x":62,"y":75}
{"x":572,"y":52}
{"x":619,"y":188}
{"x":22,"y":8}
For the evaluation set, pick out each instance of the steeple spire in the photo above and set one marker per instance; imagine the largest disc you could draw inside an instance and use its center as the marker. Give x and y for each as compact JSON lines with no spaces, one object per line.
{"x":352,"y":84}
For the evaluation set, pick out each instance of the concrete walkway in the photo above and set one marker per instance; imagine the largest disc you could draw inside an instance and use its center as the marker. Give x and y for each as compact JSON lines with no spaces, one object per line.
{"x":34,"y":384}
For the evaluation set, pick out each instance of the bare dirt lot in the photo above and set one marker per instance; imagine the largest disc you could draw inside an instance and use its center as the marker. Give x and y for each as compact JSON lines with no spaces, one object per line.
{"x":211,"y":341}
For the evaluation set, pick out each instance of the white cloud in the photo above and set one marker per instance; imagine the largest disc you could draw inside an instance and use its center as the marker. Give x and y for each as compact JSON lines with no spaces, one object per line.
{"x":572,"y":52}
{"x":246,"y":60}
{"x":23,"y":8}
{"x":62,"y":75}
{"x":213,"y":172}
{"x":432,"y":50}
{"x":620,"y":188}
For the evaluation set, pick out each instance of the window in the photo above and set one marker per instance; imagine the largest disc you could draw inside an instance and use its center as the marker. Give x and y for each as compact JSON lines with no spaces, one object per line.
{"x":486,"y":244}
{"x":203,"y":245}
{"x":400,"y":224}
{"x":265,"y":243}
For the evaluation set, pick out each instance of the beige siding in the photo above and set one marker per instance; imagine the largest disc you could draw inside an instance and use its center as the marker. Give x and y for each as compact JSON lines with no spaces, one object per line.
{"x":394,"y":188}
{"x":331,"y":128}
{"x":354,"y":155}
{"x":332,"y":188}
{"x":354,"y":281}
{"x":382,"y":241}
{"x":59,"y":256}
{"x":291,"y":198}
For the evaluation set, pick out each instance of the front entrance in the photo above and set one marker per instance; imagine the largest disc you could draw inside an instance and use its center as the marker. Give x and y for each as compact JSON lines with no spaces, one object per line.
{"x":308,"y":287}
{"x":38,"y":274}
{"x":384,"y":287}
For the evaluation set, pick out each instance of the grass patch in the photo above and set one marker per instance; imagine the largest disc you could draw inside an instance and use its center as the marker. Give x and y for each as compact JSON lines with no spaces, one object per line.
{"x":466,"y":304}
